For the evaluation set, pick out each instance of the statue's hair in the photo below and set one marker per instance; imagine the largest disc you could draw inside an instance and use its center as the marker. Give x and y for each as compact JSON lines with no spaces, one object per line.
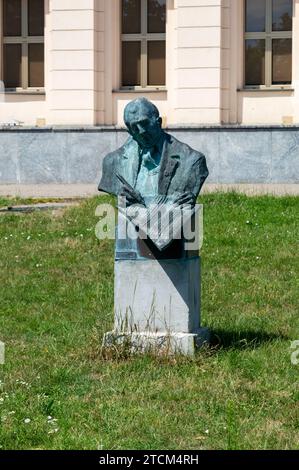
{"x":138,"y":103}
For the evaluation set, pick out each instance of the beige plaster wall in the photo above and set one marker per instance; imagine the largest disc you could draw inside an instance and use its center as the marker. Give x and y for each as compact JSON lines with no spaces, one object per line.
{"x":26,"y":109}
{"x":70,"y":41}
{"x":259,"y":107}
{"x":196,"y":73}
{"x":204,"y":68}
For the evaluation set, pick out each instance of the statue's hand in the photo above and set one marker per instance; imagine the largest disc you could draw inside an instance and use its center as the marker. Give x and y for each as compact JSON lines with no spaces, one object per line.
{"x":132,"y":196}
{"x":185,"y":199}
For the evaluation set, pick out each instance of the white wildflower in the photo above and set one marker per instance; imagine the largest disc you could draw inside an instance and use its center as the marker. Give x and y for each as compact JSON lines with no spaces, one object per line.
{"x":52,"y":431}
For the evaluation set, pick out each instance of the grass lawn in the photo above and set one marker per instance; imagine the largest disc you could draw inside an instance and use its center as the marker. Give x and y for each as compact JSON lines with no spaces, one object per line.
{"x":56,"y":301}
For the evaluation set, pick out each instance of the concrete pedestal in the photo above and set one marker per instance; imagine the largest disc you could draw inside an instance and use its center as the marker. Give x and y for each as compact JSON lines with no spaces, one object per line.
{"x":160,"y":343}
{"x":157,"y":306}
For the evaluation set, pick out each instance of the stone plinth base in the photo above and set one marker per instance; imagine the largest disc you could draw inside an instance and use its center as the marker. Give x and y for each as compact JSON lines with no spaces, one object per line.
{"x":161,"y":343}
{"x":157,"y":295}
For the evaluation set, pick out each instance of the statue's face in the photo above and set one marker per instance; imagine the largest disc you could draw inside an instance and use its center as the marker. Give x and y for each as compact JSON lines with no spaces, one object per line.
{"x":145,"y":128}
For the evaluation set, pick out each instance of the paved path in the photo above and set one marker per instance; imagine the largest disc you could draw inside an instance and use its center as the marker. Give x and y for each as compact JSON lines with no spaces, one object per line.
{"x":65,"y":191}
{"x":38,"y":207}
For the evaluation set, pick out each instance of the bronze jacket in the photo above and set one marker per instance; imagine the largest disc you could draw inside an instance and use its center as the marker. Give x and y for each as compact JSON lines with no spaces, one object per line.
{"x":182,"y":169}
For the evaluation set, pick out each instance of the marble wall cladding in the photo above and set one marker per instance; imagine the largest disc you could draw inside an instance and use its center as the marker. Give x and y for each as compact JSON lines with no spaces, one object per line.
{"x":234,"y":155}
{"x":245,"y":156}
{"x":86,"y":152}
{"x":121,"y":138}
{"x":9,"y":159}
{"x":285,"y":157}
{"x":42,"y":157}
{"x":207,"y":143}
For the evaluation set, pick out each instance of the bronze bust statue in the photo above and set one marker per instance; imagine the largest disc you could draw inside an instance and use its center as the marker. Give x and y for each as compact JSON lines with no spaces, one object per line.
{"x":157,"y":270}
{"x":152,"y":165}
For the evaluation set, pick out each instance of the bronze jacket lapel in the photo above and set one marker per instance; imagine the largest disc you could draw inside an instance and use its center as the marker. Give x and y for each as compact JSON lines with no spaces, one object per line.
{"x":169,"y":164}
{"x":131,"y":162}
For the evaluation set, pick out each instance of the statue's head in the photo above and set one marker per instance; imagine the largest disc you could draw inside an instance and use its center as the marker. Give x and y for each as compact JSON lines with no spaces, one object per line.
{"x":143,"y":122}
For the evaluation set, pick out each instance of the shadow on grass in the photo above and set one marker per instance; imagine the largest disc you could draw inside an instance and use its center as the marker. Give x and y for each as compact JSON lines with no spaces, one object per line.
{"x":229,"y":339}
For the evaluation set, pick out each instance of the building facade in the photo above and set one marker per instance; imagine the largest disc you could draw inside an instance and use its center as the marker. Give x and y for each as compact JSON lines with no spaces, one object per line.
{"x":216,"y":69}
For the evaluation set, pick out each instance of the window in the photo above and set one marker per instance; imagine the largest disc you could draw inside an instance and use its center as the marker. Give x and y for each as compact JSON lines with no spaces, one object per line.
{"x":268,"y":43}
{"x":23,"y":44}
{"x":143,"y":43}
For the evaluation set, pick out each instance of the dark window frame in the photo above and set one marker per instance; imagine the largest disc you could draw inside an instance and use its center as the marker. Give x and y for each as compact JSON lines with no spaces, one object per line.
{"x":268,"y":35}
{"x":143,"y":37}
{"x":25,"y":40}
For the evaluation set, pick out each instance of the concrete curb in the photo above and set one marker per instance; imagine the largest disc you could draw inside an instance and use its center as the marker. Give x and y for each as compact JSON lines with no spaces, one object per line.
{"x":68,"y":191}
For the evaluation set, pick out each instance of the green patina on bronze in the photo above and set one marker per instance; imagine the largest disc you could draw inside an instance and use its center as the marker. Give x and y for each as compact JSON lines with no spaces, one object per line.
{"x":178,"y":171}
{"x":152,"y":167}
